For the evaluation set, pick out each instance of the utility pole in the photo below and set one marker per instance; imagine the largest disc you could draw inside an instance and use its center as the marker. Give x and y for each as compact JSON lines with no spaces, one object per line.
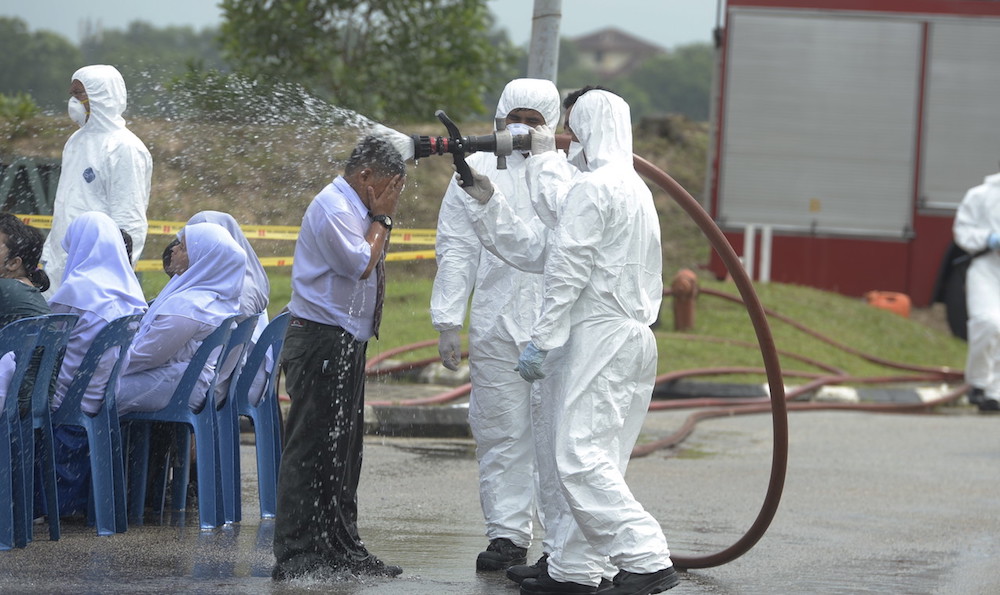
{"x":543,"y":52}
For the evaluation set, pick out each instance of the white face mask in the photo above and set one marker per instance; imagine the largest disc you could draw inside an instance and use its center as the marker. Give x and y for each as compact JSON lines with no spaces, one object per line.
{"x":77,"y":111}
{"x":518,"y":128}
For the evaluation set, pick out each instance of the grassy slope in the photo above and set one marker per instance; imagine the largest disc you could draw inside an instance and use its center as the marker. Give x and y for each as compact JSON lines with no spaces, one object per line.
{"x":846,"y":320}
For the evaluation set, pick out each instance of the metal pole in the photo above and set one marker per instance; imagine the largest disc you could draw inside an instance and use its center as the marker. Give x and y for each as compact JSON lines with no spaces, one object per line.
{"x":749,"y":243}
{"x":764,"y":271}
{"x":543,"y":52}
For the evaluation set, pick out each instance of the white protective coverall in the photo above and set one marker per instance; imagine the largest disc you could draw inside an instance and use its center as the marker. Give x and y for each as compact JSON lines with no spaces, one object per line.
{"x":520,"y":239}
{"x":978,"y":216}
{"x":504,"y":303}
{"x":105,"y":168}
{"x":603,"y":288}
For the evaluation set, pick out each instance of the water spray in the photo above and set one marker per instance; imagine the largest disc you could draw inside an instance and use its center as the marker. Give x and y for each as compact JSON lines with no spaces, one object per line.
{"x":501,"y":143}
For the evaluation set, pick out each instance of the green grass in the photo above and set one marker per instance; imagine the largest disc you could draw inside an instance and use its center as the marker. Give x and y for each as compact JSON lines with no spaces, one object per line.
{"x":846,"y":320}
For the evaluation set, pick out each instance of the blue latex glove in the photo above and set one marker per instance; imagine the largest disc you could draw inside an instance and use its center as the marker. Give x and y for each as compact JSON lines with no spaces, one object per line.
{"x":993,"y":242}
{"x":529,"y":365}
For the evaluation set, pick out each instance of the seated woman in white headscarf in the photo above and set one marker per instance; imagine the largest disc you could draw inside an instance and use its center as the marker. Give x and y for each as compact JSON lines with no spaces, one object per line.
{"x":192,"y":305}
{"x":99,"y":286}
{"x":253,"y":300}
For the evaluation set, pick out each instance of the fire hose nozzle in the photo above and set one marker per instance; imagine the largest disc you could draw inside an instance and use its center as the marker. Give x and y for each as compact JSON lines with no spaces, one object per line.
{"x":501,"y":143}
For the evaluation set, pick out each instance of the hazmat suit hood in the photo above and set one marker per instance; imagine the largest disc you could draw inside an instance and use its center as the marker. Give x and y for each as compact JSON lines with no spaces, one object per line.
{"x":992,"y":180}
{"x":540,"y":95}
{"x":543,"y":96}
{"x":106,"y":96}
{"x":603,"y":123}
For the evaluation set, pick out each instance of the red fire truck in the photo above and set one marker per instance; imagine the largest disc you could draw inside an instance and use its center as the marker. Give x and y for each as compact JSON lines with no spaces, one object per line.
{"x":846,"y":132}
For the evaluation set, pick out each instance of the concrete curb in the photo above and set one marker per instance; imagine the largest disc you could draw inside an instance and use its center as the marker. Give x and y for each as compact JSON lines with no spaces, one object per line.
{"x":451,"y":421}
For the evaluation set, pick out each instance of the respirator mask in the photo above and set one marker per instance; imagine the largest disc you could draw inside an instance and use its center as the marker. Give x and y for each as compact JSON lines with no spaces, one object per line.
{"x":77,"y":111}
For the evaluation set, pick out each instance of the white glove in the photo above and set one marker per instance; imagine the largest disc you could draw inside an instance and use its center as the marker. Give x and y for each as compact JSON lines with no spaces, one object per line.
{"x":543,"y":140}
{"x":482,"y":188}
{"x":450,"y":349}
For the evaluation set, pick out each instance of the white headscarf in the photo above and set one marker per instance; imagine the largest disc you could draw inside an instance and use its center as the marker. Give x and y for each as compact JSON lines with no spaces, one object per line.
{"x":256,"y":287}
{"x":98,"y":276}
{"x":209,"y":290}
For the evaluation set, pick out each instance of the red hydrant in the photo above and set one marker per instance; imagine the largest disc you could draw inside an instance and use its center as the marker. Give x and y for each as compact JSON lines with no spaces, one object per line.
{"x":684,"y":289}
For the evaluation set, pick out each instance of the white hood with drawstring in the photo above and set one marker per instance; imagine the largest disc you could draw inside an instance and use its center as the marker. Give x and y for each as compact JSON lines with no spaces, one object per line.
{"x":105,"y":168}
{"x":504,"y":303}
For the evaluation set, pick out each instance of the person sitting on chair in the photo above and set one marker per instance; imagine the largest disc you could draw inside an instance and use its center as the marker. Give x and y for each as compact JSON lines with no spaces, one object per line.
{"x":99,"y":286}
{"x":192,"y":305}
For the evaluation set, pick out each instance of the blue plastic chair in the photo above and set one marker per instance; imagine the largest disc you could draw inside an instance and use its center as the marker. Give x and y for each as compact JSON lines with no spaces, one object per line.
{"x":228,"y":420}
{"x":20,"y":338}
{"x":107,"y":464}
{"x":53,"y":340}
{"x":202,"y":424}
{"x":265,"y":415}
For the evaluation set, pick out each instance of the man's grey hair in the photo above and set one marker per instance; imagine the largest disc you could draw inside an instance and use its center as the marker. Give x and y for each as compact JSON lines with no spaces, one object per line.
{"x":379,"y":155}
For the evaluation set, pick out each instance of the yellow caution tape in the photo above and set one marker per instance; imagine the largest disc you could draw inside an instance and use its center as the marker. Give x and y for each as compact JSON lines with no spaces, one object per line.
{"x":420,"y":237}
{"x":286,"y":261}
{"x":39,"y":221}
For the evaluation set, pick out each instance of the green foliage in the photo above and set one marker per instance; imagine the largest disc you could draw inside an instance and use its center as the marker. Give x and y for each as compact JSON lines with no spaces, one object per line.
{"x":38,"y":63}
{"x":677,"y":82}
{"x":148,"y":56}
{"x":16,"y":111}
{"x":398,"y":59}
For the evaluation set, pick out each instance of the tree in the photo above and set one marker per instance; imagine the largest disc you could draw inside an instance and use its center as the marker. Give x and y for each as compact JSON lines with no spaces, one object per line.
{"x":39,"y":63}
{"x":148,"y":56}
{"x":398,"y":59}
{"x":677,"y":82}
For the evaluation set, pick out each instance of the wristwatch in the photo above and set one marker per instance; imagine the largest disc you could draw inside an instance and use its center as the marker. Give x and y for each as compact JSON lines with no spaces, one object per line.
{"x":384,"y":220}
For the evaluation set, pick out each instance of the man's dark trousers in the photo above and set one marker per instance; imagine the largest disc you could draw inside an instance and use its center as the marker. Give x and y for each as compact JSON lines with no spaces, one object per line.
{"x":316,"y":526}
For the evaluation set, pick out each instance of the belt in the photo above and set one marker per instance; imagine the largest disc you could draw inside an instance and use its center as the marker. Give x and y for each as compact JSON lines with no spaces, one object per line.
{"x":296,"y":322}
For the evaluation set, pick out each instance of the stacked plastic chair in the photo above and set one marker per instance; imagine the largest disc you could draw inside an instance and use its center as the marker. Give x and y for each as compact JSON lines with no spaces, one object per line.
{"x":108,"y":506}
{"x":52,"y":341}
{"x":265,"y":414}
{"x":19,"y":338}
{"x":202,"y":424}
{"x":229,"y":424}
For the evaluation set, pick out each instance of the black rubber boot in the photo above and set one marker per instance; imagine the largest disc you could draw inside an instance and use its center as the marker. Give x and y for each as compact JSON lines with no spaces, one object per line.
{"x":524,"y":571}
{"x":629,"y":583}
{"x":544,"y":584}
{"x":501,"y":554}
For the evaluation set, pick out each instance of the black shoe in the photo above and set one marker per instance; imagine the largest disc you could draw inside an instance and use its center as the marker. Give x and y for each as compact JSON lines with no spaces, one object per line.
{"x":500,"y":554}
{"x":523,"y":571}
{"x":296,"y":567}
{"x":630,"y":583}
{"x":976,"y":396}
{"x":372,"y":566}
{"x":988,"y":405}
{"x":544,"y":584}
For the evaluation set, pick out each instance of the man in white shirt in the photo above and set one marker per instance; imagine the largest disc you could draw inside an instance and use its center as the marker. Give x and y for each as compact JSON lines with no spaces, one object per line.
{"x":337,"y":287}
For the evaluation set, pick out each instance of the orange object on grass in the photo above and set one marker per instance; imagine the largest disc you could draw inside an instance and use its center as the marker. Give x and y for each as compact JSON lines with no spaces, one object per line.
{"x":890,"y":300}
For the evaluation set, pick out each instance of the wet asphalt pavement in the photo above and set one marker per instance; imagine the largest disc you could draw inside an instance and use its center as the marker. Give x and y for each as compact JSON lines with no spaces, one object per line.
{"x":873,"y":503}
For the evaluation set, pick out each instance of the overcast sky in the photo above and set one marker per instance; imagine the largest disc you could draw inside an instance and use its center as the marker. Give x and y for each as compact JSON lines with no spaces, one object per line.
{"x":668,"y":23}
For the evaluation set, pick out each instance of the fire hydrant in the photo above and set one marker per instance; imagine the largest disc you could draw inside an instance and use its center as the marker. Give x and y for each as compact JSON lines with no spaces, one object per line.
{"x":684,"y":289}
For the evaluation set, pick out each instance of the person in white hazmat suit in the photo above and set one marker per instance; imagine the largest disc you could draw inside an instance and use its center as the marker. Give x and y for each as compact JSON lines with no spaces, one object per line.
{"x":602,"y":289}
{"x":521,"y":241}
{"x":977,"y":231}
{"x":105,"y":167}
{"x":504,"y":303}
